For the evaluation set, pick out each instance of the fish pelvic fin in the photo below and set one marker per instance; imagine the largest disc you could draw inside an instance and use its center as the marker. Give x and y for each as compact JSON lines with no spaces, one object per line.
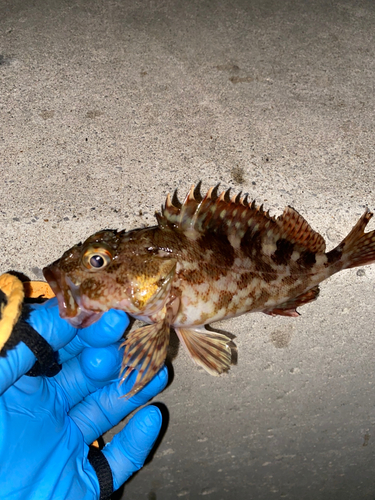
{"x":358,"y":248}
{"x":289,"y":308}
{"x":212,"y":351}
{"x":145,"y":351}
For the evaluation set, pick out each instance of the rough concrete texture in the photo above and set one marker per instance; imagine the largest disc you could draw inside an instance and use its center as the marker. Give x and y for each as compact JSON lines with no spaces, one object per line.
{"x":108,"y":105}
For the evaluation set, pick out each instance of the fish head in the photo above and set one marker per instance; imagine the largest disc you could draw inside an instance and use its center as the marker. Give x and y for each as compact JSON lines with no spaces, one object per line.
{"x":110,"y":270}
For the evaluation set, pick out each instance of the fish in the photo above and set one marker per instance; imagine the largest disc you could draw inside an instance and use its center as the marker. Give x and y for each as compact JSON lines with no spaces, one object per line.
{"x":209,"y":258}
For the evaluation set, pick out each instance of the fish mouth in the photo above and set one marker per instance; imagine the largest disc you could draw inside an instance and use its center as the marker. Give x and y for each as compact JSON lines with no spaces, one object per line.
{"x":69,"y":299}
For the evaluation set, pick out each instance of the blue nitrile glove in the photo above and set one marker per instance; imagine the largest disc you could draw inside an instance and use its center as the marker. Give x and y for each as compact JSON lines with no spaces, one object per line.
{"x":47,"y":424}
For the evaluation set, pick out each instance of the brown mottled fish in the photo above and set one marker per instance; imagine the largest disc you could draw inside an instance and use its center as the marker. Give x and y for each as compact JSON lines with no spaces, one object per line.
{"x":209,"y":258}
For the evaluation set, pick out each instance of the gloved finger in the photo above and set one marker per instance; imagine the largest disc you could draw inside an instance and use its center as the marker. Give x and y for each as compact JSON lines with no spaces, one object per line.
{"x":46,"y":320}
{"x":17,"y":362}
{"x":92,"y":369}
{"x":107,"y":330}
{"x":71,"y":350}
{"x":105,"y":408}
{"x":102,"y":364}
{"x":128,"y":450}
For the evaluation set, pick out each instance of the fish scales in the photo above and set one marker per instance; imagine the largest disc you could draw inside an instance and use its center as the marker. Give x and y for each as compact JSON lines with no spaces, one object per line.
{"x":209,"y":258}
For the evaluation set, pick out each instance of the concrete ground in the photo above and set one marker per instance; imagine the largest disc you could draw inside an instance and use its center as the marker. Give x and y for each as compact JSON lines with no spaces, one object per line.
{"x":108,"y":105}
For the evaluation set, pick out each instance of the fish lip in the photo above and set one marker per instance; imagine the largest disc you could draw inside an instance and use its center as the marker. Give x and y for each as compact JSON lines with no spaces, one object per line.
{"x":54,"y":277}
{"x":84,"y":318}
{"x":57,"y":281}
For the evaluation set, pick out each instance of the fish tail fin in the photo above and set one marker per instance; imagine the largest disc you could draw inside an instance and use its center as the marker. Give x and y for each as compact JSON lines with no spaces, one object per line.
{"x":145,"y":351}
{"x":358,"y":248}
{"x":211,"y":350}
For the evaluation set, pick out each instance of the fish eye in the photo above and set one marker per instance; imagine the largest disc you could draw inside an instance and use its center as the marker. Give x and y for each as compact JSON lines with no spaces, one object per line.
{"x":96,"y":261}
{"x":96,"y":258}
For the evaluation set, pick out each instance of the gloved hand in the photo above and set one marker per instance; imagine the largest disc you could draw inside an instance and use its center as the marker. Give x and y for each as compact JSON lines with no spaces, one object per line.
{"x":47,"y":424}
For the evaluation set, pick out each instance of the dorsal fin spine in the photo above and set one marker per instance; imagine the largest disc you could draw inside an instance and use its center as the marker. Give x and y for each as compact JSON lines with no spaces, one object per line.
{"x":235,"y":216}
{"x":214,"y":192}
{"x":221,"y":197}
{"x":190,"y":195}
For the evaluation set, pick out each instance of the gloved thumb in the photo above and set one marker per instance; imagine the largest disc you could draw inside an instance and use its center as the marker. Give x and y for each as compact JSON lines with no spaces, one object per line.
{"x":128,"y":450}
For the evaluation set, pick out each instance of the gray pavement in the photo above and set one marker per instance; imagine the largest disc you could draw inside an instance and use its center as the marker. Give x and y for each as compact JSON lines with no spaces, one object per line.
{"x":107,"y":105}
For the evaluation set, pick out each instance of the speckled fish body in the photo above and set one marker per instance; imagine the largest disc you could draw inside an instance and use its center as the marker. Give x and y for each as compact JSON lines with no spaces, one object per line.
{"x":210,"y":258}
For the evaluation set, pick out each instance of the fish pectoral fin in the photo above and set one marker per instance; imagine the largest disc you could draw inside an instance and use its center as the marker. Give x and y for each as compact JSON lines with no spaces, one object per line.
{"x":145,"y":351}
{"x":289,"y":308}
{"x":210,"y":350}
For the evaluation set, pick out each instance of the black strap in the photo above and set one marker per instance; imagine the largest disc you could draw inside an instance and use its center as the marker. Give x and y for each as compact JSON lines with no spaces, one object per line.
{"x":103,"y":472}
{"x":47,"y":359}
{"x":3,"y":300}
